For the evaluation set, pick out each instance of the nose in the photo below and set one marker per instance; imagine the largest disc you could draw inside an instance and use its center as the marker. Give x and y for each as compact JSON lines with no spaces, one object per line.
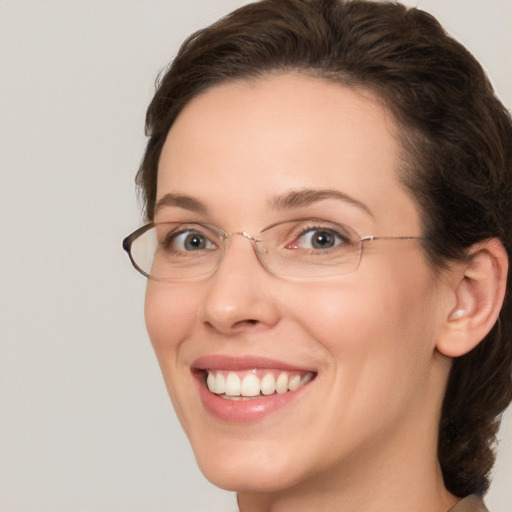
{"x":239,"y":295}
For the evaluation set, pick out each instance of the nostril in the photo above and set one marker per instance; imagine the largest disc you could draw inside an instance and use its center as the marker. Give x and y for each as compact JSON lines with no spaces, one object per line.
{"x":236,"y":325}
{"x":247,"y":322}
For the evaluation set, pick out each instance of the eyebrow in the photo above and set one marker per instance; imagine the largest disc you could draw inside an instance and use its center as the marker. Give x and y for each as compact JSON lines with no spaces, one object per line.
{"x":305,"y":197}
{"x":181,"y":201}
{"x":287,"y":201}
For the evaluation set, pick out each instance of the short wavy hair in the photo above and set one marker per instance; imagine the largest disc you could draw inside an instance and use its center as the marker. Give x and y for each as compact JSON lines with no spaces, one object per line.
{"x":456,"y":134}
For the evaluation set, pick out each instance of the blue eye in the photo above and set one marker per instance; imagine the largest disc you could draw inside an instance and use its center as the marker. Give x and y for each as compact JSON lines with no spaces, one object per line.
{"x":188,"y":240}
{"x":320,"y":239}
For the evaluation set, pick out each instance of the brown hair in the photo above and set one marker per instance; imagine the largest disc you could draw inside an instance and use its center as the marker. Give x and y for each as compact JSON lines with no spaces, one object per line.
{"x":457,"y":135}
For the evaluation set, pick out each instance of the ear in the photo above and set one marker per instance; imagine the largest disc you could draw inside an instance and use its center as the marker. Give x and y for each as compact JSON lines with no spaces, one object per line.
{"x":479,"y":289}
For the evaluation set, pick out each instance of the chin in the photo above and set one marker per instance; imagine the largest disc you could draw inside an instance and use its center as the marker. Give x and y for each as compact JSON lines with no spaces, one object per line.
{"x":248,"y":473}
{"x":247,"y":465}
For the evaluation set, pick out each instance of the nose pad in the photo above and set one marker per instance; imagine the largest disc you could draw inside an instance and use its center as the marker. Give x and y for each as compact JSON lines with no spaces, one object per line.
{"x":248,"y":236}
{"x":226,"y":240}
{"x":238,"y":293}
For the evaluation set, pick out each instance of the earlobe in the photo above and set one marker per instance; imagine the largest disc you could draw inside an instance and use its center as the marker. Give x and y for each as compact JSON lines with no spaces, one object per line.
{"x":479,"y":292}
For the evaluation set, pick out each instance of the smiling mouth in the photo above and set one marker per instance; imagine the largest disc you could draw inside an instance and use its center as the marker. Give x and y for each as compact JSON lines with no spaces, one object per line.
{"x":256,"y":383}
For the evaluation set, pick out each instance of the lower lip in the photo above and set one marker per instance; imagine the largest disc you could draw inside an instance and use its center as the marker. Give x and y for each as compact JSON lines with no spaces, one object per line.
{"x":245,"y":411}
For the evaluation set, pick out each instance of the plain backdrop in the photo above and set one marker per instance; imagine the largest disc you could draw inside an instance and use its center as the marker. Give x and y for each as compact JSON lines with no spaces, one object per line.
{"x":85,"y":423}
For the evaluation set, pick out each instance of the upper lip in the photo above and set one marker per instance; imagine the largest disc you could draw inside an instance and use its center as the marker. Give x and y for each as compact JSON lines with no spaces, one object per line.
{"x":222,"y":362}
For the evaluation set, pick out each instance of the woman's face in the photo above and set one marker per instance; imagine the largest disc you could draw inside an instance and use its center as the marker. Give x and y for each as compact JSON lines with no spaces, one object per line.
{"x":360,"y":346}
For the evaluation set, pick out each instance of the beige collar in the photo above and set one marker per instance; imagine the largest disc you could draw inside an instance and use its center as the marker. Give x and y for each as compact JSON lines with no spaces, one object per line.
{"x":469,"y":504}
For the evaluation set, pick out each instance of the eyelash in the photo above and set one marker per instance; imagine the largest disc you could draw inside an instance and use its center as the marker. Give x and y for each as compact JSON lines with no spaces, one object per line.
{"x":171,"y":238}
{"x":344,"y":239}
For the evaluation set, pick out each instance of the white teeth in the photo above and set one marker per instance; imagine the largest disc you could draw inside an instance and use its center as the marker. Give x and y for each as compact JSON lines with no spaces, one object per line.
{"x":282,"y":383}
{"x":294,"y":383}
{"x":232,"y":385}
{"x":306,"y":379}
{"x":220,"y":384}
{"x":268,"y":384}
{"x":250,"y":385}
{"x":210,"y":382}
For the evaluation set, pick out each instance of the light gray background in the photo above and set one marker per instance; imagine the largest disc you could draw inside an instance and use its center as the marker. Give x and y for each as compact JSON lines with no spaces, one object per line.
{"x":86,"y":424}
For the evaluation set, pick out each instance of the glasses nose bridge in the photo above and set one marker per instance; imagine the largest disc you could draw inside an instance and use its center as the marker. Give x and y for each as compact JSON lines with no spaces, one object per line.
{"x":253,"y":239}
{"x":244,"y":234}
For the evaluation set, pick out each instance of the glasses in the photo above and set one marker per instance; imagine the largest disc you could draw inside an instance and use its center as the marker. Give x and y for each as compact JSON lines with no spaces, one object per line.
{"x":298,"y":249}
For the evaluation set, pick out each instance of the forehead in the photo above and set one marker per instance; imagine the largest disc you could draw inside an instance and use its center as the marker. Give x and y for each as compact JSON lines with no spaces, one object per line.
{"x":246,"y":141}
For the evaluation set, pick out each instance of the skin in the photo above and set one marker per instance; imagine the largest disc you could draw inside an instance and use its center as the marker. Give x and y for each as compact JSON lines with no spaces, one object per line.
{"x":362,"y":435}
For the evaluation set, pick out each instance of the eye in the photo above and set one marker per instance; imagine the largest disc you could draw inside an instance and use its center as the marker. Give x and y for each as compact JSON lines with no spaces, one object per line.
{"x":187,"y":240}
{"x":319,"y":238}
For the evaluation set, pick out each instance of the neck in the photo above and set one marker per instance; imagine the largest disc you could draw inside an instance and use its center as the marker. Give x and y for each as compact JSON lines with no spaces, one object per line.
{"x":402,"y":476}
{"x":377,"y":491}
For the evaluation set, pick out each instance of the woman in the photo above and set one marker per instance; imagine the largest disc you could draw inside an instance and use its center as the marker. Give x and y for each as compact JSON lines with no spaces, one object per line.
{"x":358,"y":355}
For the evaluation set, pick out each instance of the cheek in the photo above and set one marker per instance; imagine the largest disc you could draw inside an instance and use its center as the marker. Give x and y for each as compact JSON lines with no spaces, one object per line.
{"x":385,"y":317}
{"x":378,"y":341}
{"x":170,"y":311}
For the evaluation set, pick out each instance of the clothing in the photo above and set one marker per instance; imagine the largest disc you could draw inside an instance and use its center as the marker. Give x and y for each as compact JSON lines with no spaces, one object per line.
{"x":469,"y":504}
